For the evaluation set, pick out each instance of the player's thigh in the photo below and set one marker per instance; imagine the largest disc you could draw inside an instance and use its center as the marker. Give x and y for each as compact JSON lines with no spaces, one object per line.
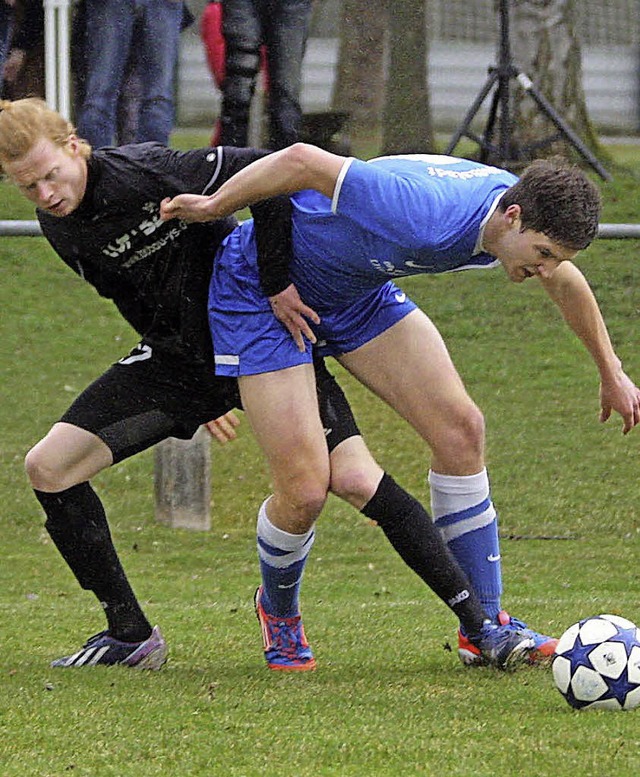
{"x":66,"y":456}
{"x":409,"y":366}
{"x":282,"y":408}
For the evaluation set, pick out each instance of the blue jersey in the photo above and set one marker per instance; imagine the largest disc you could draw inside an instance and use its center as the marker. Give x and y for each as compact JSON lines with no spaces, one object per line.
{"x":390,"y":217}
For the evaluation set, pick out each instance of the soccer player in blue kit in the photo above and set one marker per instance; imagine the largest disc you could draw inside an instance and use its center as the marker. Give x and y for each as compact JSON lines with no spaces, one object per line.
{"x":99,"y":210}
{"x":356,"y":225}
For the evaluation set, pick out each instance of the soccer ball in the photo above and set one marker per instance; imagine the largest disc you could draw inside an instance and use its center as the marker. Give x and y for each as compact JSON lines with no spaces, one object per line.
{"x":597,"y":664}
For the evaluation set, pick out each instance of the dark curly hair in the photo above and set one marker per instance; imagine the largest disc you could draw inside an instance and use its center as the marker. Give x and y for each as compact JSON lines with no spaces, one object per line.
{"x":557,"y":200}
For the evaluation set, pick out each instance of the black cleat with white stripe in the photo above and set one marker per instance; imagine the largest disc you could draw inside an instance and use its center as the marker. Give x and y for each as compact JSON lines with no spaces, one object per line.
{"x":104,"y":650}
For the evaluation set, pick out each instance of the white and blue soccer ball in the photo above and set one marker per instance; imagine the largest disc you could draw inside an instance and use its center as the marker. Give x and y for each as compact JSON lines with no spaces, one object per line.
{"x":597,"y":664}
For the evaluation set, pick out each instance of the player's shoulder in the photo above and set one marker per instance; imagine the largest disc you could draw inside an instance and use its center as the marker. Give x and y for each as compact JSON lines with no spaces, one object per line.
{"x":440,"y":166}
{"x":131,"y":156}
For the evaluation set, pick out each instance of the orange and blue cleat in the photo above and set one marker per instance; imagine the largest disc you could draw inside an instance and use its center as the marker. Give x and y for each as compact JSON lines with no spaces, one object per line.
{"x":285,"y":645}
{"x":541,"y":653}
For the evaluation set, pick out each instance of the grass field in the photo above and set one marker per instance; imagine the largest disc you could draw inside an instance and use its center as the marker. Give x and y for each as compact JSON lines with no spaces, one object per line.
{"x":389,"y":697}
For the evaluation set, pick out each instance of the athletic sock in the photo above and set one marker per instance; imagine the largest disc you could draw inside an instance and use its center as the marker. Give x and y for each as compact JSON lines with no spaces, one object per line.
{"x":282,"y":560}
{"x":77,"y":524}
{"x":464,"y":513}
{"x":409,"y":529}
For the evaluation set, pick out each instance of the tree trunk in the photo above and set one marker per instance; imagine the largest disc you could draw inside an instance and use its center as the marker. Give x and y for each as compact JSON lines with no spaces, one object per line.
{"x":407,"y":124}
{"x":359,"y":86}
{"x":546,"y":48}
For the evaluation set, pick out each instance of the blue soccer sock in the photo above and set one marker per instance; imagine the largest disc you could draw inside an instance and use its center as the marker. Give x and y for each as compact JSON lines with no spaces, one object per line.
{"x":282,"y":560}
{"x":464,"y":513}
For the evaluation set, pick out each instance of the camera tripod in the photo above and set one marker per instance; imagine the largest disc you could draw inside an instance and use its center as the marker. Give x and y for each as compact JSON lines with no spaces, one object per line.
{"x":500,"y":77}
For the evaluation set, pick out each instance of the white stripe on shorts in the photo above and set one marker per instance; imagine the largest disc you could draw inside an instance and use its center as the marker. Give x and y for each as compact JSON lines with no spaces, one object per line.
{"x":227,"y":358}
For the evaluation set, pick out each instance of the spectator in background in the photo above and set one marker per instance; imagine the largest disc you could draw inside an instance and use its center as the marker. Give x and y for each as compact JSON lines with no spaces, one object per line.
{"x":113,"y":30}
{"x":282,"y":26}
{"x":23,"y":69}
{"x":214,"y":47}
{"x":6,"y":29}
{"x":128,"y":106}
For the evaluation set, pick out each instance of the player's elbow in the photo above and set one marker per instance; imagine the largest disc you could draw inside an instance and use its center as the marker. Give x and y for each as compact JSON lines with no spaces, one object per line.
{"x":298,"y":159}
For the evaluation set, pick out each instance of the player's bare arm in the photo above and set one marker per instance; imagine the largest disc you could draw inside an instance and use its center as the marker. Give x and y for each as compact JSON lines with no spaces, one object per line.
{"x":191,"y":208}
{"x":569,"y":289}
{"x":292,"y":169}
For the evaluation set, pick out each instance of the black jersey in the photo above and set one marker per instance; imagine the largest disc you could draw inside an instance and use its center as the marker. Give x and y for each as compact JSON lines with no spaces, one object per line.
{"x":157,"y":273}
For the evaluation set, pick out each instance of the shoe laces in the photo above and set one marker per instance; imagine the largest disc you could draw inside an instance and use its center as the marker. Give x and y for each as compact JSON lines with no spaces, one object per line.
{"x":504,"y":619}
{"x":285,"y":634}
{"x":96,"y":637}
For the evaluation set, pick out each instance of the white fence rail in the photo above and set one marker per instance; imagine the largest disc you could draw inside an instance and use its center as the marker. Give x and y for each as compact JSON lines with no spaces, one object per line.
{"x":32,"y":229}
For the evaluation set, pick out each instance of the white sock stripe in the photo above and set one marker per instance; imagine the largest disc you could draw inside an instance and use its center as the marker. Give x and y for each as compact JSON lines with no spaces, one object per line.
{"x":452,"y":494}
{"x":459,"y":484}
{"x":278,"y":538}
{"x":467,"y":525}
{"x":286,"y":560}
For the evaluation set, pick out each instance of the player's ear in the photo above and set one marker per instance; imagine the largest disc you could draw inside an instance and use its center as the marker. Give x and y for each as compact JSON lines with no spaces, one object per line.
{"x":513,"y":215}
{"x":513,"y":212}
{"x":73,"y":145}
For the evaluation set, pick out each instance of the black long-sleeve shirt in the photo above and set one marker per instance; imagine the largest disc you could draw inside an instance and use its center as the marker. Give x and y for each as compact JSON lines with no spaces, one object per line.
{"x":157,"y":273}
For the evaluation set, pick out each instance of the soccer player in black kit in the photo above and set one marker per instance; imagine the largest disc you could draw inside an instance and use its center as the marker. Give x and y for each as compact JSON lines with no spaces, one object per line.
{"x":100,"y":212}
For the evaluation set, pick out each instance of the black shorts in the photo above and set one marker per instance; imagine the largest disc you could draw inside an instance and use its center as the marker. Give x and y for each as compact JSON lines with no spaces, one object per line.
{"x":149,"y":396}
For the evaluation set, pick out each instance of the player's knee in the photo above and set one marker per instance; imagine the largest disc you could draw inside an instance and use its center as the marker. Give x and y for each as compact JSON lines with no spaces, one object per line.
{"x":355,"y":484}
{"x":473,"y":426}
{"x":302,"y":502}
{"x":310,"y":500}
{"x":42,"y":471}
{"x":463,"y":441}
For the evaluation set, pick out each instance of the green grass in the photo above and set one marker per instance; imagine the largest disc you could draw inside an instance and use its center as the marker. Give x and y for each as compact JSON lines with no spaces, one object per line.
{"x":389,"y":697}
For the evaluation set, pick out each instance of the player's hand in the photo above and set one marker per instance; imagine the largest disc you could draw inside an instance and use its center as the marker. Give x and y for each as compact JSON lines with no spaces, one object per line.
{"x":188,"y":207}
{"x":223,"y":429}
{"x":290,"y":310}
{"x":620,"y":393}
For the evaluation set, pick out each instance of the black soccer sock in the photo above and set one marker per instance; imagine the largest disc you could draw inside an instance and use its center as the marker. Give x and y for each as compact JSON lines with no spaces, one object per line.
{"x":412,"y":533}
{"x":77,"y":524}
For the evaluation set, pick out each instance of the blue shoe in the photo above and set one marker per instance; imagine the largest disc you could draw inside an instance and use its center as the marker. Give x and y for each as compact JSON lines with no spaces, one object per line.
{"x":101,"y":649}
{"x":543,"y":646}
{"x":285,"y":645}
{"x":541,"y":653}
{"x":501,"y":646}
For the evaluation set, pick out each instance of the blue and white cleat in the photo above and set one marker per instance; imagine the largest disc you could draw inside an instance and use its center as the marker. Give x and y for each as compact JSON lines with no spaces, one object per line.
{"x":540,"y":654}
{"x":285,"y":645}
{"x":104,"y":650}
{"x":502,"y":646}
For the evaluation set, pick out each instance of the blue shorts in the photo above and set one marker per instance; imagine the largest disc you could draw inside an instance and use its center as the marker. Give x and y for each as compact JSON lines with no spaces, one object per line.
{"x":249,"y":340}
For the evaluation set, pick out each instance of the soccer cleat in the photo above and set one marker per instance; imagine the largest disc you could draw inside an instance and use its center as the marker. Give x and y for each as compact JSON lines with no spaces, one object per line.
{"x":502,"y":646}
{"x":101,"y":649}
{"x":541,"y":653}
{"x":285,"y":645}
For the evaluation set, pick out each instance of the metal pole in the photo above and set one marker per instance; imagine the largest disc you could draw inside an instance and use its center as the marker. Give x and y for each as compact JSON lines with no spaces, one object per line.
{"x":32,"y":229}
{"x":20,"y":229}
{"x":57,"y":57}
{"x":504,"y":92}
